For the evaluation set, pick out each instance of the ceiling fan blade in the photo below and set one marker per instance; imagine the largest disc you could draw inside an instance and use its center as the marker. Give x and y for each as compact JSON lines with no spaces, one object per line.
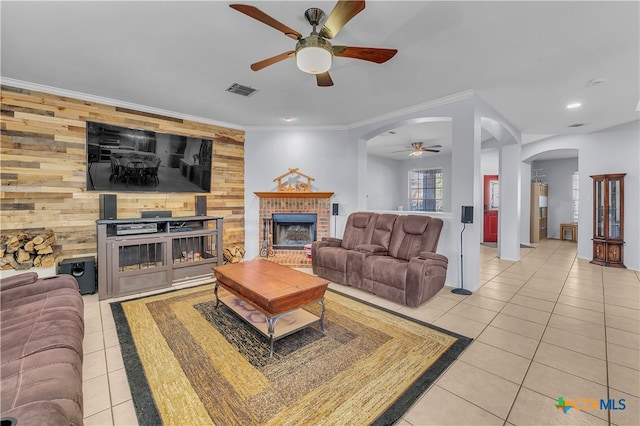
{"x":270,"y":61}
{"x":371,"y":54}
{"x":324,"y":79}
{"x":431,"y":148}
{"x":256,"y":13}
{"x":342,"y":13}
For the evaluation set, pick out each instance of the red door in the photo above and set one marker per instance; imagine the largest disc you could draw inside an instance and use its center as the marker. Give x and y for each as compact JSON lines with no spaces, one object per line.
{"x":491,"y":205}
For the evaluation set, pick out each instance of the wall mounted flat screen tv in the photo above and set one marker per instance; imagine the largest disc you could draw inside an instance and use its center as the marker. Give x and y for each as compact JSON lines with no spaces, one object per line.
{"x":125,"y":159}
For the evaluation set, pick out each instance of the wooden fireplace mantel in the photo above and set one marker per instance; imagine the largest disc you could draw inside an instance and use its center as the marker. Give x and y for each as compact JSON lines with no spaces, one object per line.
{"x":294,"y":194}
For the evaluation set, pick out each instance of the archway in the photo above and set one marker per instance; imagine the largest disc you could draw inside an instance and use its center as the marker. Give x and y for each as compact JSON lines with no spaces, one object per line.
{"x":501,"y":189}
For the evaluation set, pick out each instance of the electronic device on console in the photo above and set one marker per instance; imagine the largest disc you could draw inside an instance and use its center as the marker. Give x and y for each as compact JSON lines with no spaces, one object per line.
{"x":136,"y":228}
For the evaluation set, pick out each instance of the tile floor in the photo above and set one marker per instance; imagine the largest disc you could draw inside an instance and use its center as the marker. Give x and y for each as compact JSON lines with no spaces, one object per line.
{"x":549,"y":325}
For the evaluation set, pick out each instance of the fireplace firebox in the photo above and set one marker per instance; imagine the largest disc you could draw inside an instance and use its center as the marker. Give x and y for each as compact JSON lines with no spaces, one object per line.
{"x":292,"y":231}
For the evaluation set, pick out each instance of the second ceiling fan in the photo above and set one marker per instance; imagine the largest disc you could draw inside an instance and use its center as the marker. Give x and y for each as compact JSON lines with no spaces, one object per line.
{"x":314,"y":53}
{"x":417,"y":148}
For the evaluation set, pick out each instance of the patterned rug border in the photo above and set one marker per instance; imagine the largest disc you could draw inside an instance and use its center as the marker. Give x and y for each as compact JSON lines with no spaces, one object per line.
{"x":147,"y":411}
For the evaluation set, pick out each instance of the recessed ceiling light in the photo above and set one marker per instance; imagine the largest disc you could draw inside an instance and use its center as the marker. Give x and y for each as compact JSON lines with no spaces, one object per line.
{"x":574,"y":105}
{"x":288,"y":118}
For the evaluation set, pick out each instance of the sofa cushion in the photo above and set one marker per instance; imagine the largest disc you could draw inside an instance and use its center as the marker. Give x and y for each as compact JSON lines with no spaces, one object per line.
{"x":388,"y":270}
{"x":54,"y":376}
{"x":382,"y":230}
{"x":413,"y":234}
{"x":358,"y":230}
{"x":52,"y":329}
{"x":334,"y":258}
{"x":415,"y":225}
{"x":42,"y":331}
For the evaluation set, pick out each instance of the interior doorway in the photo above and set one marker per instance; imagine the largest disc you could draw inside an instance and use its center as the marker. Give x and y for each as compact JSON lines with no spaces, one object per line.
{"x":491,"y":206}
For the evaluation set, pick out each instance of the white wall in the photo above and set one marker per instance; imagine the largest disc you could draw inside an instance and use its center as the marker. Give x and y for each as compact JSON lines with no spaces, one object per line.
{"x":558,"y":175}
{"x":489,"y":162}
{"x":612,"y":150}
{"x":327,"y":156}
{"x":384,"y":184}
{"x":388,"y":185}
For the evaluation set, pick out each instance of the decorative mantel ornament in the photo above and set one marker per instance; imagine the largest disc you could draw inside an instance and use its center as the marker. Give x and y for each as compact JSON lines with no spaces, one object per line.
{"x":293,"y":182}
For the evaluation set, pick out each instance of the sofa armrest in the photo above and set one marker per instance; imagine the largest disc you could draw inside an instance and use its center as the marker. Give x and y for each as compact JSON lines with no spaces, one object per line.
{"x":317,"y":245}
{"x":21,"y":289}
{"x":425,"y":277}
{"x":372,"y":249}
{"x":18,"y":280}
{"x":331,"y":242}
{"x":428,"y":255}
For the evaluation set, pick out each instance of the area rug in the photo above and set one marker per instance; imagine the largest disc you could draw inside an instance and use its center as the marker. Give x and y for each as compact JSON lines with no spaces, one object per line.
{"x":190,"y":363}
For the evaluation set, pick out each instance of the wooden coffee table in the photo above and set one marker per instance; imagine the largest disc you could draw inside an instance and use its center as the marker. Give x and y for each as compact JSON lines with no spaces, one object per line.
{"x":275,"y":291}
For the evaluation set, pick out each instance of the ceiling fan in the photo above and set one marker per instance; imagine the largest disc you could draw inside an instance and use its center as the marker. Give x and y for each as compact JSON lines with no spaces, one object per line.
{"x":315,"y":53}
{"x":417,"y":149}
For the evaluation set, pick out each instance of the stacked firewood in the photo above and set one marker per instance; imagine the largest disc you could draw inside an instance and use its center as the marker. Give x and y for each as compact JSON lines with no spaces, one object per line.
{"x":25,"y":250}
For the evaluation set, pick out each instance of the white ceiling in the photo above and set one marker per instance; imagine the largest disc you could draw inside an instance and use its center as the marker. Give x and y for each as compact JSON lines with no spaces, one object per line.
{"x":526,"y":59}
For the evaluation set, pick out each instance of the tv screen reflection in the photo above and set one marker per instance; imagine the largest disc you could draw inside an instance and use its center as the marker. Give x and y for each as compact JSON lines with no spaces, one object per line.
{"x":125,"y":159}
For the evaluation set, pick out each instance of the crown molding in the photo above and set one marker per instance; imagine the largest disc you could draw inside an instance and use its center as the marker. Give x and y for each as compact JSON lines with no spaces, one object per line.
{"x":112,"y":102}
{"x":284,"y":128}
{"x":456,"y":97}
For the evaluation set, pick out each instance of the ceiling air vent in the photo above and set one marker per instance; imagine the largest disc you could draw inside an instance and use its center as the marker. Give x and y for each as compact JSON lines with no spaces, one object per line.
{"x":240,"y":89}
{"x":577,"y":125}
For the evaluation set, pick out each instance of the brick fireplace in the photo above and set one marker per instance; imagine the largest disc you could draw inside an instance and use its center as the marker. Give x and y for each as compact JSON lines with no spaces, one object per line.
{"x":305,"y":203}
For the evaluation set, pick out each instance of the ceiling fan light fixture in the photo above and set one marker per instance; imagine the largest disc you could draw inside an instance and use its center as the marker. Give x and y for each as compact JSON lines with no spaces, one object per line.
{"x":314,"y":55}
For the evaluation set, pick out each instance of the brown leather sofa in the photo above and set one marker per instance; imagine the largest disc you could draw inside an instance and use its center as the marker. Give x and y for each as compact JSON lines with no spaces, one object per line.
{"x":42,"y":327}
{"x":393,"y":256}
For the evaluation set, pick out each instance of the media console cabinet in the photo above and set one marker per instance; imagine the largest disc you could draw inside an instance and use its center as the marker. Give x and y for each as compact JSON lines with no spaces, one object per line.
{"x":138,"y":255}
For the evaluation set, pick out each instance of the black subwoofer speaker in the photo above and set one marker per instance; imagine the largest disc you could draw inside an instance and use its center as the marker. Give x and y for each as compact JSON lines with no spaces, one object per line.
{"x":466,"y":215}
{"x":108,"y":206}
{"x":201,"y":205}
{"x":83,"y":269}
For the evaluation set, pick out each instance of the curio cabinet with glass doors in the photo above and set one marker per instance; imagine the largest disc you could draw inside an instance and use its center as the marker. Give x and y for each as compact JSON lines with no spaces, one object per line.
{"x":608,"y":220}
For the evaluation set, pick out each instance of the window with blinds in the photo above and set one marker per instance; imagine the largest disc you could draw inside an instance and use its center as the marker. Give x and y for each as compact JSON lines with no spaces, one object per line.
{"x":425,"y":190}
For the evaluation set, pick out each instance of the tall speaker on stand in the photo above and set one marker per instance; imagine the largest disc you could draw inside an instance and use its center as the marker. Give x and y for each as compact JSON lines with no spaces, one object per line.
{"x":334,"y":212}
{"x":466,"y":216}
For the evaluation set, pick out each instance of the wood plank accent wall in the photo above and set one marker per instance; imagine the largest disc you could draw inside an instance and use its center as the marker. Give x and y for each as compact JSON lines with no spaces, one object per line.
{"x":43,"y":169}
